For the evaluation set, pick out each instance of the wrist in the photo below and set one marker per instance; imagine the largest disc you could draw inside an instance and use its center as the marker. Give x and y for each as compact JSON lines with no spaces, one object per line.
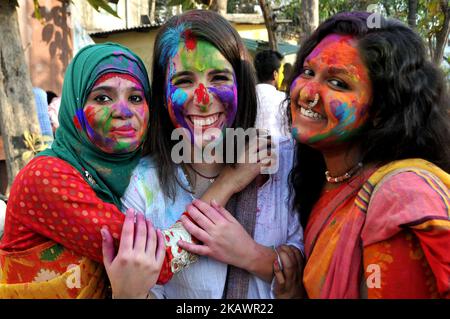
{"x":221,"y":191}
{"x":260,"y":262}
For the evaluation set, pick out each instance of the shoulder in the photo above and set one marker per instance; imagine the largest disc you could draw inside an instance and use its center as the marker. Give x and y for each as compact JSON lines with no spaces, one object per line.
{"x":404,"y":198}
{"x":418,"y":186}
{"x":147,"y":166}
{"x":47,"y":167}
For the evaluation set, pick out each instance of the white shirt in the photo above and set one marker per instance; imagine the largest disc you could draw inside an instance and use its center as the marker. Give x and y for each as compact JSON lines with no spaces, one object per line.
{"x":276,"y":224}
{"x":271,"y":109}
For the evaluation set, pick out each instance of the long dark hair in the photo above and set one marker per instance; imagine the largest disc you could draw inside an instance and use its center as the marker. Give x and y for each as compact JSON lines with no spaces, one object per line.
{"x":213,"y":28}
{"x":408,"y":117}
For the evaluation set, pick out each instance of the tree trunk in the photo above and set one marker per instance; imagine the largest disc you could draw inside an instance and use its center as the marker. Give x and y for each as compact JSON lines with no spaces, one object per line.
{"x":219,"y":6}
{"x":151,"y":10}
{"x":310,"y":16}
{"x":442,"y":35}
{"x":412,"y":13}
{"x":17,"y":106}
{"x":270,"y":24}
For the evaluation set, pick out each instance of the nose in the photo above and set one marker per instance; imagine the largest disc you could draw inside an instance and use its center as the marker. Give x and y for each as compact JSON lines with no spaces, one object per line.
{"x":202,"y":98}
{"x":122,"y":110}
{"x":309,"y":94}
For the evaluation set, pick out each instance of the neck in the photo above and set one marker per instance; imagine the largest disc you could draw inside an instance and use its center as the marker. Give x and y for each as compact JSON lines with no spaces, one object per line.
{"x":341,"y":160}
{"x":273,"y":83}
{"x":208,"y":169}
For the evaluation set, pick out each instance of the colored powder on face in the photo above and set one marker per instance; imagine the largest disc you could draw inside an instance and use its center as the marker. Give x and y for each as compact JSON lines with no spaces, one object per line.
{"x":179,"y":97}
{"x":345,"y":116}
{"x":202,"y":95}
{"x":205,"y":56}
{"x":294,"y":133}
{"x":227,"y":95}
{"x":190,"y":40}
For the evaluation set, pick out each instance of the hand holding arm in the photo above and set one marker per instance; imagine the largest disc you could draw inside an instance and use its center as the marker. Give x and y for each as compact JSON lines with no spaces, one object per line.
{"x":250,"y":163}
{"x":289,"y":275}
{"x":225,"y":240}
{"x":136,"y":267}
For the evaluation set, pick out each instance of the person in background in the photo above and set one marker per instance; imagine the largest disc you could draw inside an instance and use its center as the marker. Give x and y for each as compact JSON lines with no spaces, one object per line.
{"x":271,"y":104}
{"x":42,"y":112}
{"x":53,"y":110}
{"x":287,"y":71}
{"x":50,"y":96}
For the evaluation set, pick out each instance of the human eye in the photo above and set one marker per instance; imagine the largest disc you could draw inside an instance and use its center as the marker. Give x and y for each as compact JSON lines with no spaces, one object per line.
{"x":307,"y":72}
{"x":136,"y":98}
{"x":182,"y":82}
{"x":339,"y":84}
{"x":102,"y":98}
{"x":219,"y":78}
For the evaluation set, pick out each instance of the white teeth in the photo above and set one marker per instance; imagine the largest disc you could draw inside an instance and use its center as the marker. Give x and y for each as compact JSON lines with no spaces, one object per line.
{"x":311,"y":114}
{"x":204,"y":121}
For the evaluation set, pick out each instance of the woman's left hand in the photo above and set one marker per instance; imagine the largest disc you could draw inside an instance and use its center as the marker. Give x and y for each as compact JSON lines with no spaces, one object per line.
{"x":223,"y":237}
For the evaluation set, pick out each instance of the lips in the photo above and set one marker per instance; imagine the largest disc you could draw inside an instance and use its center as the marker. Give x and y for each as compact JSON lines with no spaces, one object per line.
{"x":124,"y":130}
{"x":205,"y":122}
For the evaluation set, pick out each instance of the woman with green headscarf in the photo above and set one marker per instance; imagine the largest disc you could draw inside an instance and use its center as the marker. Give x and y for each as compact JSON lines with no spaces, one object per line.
{"x":68,"y":197}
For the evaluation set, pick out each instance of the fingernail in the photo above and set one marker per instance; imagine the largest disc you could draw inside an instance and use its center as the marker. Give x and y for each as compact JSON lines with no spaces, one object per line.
{"x":103,"y":233}
{"x":275,"y":266}
{"x":213,"y":202}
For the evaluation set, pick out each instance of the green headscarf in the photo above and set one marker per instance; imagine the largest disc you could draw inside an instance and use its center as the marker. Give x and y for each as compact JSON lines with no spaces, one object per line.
{"x":107,"y":174}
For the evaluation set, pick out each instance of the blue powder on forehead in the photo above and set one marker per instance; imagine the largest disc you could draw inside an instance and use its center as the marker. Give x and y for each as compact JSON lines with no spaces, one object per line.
{"x":170,"y":41}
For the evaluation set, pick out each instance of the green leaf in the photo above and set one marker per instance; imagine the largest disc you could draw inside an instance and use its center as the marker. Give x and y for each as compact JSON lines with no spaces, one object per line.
{"x":37,"y":12}
{"x":96,"y":4}
{"x":52,"y":253}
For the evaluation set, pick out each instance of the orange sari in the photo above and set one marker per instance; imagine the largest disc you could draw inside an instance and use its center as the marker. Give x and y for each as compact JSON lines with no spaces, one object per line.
{"x":50,"y":270}
{"x":383,"y":235}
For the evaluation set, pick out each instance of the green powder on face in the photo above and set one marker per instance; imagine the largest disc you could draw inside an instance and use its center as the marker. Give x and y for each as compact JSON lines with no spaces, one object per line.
{"x":203,"y":57}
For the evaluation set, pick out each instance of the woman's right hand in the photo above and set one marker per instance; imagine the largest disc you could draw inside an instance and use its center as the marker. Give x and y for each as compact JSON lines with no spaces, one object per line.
{"x":136,"y":267}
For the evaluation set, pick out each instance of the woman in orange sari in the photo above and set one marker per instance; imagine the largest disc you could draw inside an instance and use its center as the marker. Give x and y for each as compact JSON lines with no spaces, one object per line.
{"x":369,"y":113}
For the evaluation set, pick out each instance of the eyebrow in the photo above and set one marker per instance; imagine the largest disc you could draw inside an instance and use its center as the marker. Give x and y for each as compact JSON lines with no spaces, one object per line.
{"x":217,"y":71}
{"x":181,"y":73}
{"x":334,"y":70}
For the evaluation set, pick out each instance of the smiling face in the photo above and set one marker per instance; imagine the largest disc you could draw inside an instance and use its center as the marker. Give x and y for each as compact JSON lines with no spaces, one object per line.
{"x":201,"y":91}
{"x":116,"y":114}
{"x":335,"y":74}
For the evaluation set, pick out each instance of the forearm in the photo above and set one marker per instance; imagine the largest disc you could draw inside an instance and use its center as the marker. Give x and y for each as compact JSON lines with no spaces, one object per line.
{"x":221,"y":191}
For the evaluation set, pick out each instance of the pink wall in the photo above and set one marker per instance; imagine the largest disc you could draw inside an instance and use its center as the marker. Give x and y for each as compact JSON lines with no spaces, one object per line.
{"x":47,"y":43}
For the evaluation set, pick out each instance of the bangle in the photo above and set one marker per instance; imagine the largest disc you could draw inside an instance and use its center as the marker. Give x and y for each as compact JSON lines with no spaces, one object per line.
{"x":278,"y":258}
